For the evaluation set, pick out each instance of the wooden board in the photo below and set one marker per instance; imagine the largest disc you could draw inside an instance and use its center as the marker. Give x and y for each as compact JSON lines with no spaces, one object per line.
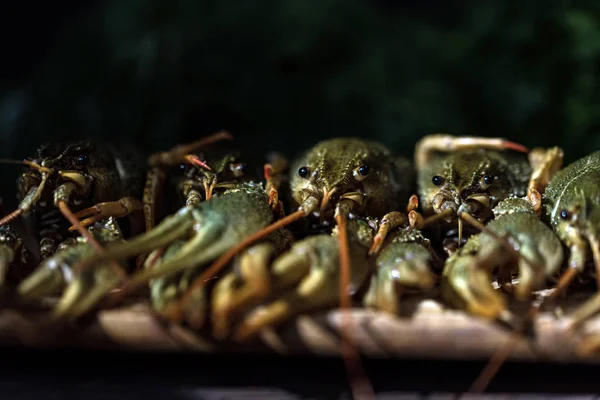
{"x":426,"y":329}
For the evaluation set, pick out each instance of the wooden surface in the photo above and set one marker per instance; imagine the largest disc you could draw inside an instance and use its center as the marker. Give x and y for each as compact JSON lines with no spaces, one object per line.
{"x":426,"y":329}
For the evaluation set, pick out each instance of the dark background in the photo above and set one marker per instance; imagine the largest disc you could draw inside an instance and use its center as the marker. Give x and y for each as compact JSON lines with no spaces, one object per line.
{"x":284,"y":74}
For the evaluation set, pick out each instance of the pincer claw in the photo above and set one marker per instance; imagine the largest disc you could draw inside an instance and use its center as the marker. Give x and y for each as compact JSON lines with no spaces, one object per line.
{"x":85,"y":291}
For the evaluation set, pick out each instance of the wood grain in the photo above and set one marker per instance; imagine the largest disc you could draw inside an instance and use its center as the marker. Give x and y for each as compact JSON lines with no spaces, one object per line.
{"x":426,"y":329}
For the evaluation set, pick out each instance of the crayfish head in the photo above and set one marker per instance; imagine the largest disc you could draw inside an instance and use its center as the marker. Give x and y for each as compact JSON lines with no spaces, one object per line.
{"x":466,"y":181}
{"x":347,"y":168}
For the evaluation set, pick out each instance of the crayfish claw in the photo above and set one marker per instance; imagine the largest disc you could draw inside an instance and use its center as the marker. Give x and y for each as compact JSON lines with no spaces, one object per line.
{"x":82,"y":295}
{"x":48,"y":280}
{"x":389,"y":221}
{"x":468,"y":285}
{"x":376,"y":246}
{"x":235,"y":292}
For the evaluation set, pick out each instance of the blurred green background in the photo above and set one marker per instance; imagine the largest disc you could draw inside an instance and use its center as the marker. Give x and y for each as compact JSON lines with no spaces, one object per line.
{"x":285,"y":74}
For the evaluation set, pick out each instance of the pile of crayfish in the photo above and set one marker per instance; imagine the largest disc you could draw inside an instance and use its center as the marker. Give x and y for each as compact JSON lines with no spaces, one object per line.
{"x":228,"y":248}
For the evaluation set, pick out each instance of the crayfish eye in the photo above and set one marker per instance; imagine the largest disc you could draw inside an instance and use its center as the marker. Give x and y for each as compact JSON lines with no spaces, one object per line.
{"x":303,"y":172}
{"x":564,"y":214}
{"x":182,"y":167}
{"x":361,"y":172}
{"x":488,"y":179}
{"x":437,"y":180}
{"x":238,"y":169}
{"x":82,"y":160}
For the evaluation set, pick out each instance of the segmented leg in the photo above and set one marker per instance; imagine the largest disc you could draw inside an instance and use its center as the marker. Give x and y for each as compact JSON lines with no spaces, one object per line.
{"x":274,"y":176}
{"x":417,"y":221}
{"x":174,"y":156}
{"x":576,"y":265}
{"x":235,"y":292}
{"x":115,"y":209}
{"x":313,"y":291}
{"x":391,"y":221}
{"x":155,"y":181}
{"x":448,"y":143}
{"x":388,"y":222}
{"x":545,"y":163}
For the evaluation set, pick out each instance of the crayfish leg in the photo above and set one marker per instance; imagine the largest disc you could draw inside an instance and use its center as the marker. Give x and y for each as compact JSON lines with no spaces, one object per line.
{"x":585,"y":311}
{"x":577,"y":260}
{"x":545,"y":163}
{"x":116,"y":209}
{"x":313,"y":292}
{"x":229,"y":297}
{"x":389,"y":222}
{"x":155,"y":181}
{"x":273,"y":174}
{"x":420,"y":222}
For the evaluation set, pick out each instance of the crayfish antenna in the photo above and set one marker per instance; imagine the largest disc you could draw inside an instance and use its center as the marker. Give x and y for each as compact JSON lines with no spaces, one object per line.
{"x":28,"y":201}
{"x":471,"y":220}
{"x":436,"y":217}
{"x":216,"y":137}
{"x":226,"y":258}
{"x":359,"y":383}
{"x":66,"y":211}
{"x":194,"y":160}
{"x":12,"y":216}
{"x":502,"y":354}
{"x":498,"y":359}
{"x":28,"y":163}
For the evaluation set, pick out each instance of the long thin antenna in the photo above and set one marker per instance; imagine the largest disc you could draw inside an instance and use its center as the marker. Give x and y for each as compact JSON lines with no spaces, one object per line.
{"x":359,"y":383}
{"x":64,"y":209}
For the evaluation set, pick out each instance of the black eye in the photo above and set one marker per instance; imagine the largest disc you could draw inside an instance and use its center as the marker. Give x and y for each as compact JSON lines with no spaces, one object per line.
{"x":303,"y":172}
{"x":82,"y":160}
{"x":364,"y":170}
{"x":488,"y":179}
{"x":437,"y":180}
{"x":182,"y":167}
{"x":238,"y":169}
{"x":564,"y":214}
